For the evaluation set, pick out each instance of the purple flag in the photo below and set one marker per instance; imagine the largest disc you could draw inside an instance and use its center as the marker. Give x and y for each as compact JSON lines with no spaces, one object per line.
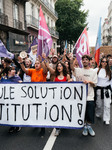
{"x":44,"y":37}
{"x":82,"y":46}
{"x":4,"y":52}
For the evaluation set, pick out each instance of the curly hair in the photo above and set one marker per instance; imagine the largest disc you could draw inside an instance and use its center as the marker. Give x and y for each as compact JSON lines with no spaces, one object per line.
{"x":64,"y":69}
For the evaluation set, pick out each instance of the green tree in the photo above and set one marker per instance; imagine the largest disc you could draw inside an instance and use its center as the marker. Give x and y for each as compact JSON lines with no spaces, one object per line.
{"x":71,"y":20}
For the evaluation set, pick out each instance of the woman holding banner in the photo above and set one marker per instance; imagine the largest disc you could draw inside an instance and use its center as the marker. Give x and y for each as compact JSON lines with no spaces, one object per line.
{"x":38,"y":74}
{"x":60,"y":76}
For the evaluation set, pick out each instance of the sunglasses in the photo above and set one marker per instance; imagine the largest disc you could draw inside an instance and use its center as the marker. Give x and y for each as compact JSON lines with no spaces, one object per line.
{"x":104,"y":61}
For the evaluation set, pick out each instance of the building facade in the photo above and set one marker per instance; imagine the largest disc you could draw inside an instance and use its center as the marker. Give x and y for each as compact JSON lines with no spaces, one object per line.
{"x":13,"y":25}
{"x":107,"y":28}
{"x":32,"y":19}
{"x":105,"y":34}
{"x":110,"y":24}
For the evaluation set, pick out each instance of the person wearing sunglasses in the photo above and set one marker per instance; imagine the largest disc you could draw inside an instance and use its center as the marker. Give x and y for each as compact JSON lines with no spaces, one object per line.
{"x":103,"y":91}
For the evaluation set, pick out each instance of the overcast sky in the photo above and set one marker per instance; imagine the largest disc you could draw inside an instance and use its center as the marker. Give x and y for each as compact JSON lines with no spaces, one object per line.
{"x":97,"y":9}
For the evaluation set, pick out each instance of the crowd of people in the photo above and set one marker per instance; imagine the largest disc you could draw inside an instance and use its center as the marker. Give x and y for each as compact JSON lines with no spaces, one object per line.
{"x":65,"y":68}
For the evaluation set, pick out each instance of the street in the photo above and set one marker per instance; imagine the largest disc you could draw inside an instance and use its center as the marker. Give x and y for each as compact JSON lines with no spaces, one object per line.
{"x":28,"y":139}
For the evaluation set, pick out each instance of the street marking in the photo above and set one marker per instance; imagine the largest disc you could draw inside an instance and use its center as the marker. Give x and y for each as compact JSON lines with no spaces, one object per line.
{"x":50,"y":141}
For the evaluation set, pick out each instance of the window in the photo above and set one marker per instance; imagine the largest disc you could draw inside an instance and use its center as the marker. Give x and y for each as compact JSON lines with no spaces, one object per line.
{"x":54,"y":45}
{"x":44,"y":15}
{"x":48,"y":21}
{"x":15,"y":11}
{"x":32,"y":10}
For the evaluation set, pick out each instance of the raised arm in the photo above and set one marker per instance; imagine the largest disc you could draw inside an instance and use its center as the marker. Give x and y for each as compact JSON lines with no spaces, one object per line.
{"x":44,"y":67}
{"x":71,"y":63}
{"x":43,"y":63}
{"x":52,"y":71}
{"x":22,"y":65}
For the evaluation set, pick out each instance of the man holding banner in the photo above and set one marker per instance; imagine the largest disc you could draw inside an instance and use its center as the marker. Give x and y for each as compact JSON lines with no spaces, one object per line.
{"x":88,"y":76}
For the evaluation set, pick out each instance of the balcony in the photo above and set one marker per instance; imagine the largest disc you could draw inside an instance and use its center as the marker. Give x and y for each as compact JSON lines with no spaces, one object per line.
{"x":21,"y":1}
{"x":3,"y":19}
{"x":53,"y":32}
{"x":32,"y":21}
{"x":17,"y":24}
{"x":50,"y":7}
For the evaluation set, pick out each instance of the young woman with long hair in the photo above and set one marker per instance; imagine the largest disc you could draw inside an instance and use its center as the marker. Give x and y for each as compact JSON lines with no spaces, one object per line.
{"x":61,"y":73}
{"x":103,"y":91}
{"x":60,"y":76}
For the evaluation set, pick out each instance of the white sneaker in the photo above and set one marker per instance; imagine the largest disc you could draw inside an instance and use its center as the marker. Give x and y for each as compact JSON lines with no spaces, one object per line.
{"x":18,"y":129}
{"x":98,"y":116}
{"x":85,"y":131}
{"x":107,"y":122}
{"x":91,"y":131}
{"x":57,"y":132}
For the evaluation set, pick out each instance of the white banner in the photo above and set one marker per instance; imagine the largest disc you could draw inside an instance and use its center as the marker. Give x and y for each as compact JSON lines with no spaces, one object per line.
{"x":59,"y":105}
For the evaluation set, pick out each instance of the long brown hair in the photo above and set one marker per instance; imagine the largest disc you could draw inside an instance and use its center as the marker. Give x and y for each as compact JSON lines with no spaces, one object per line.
{"x":107,"y":68}
{"x":64,"y":69}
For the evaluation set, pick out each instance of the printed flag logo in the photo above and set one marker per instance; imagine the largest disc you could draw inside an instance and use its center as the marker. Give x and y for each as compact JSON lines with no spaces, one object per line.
{"x":81,"y":47}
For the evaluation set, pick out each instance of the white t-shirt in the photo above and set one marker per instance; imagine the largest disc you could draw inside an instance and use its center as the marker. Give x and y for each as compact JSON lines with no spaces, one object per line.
{"x":48,"y":75}
{"x":26,"y":78}
{"x":73,"y":77}
{"x":103,"y":80}
{"x":89,"y":75}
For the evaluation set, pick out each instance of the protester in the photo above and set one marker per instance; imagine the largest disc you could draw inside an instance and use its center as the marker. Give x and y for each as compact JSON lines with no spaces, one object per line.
{"x":88,"y":76}
{"x":38,"y":74}
{"x":11,"y":77}
{"x":60,"y":76}
{"x":93,"y":63}
{"x":103,"y":91}
{"x":110,"y":64}
{"x":109,"y":56}
{"x":28,"y":64}
{"x":52,"y":66}
{"x":61,"y":73}
{"x":6,"y":62}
